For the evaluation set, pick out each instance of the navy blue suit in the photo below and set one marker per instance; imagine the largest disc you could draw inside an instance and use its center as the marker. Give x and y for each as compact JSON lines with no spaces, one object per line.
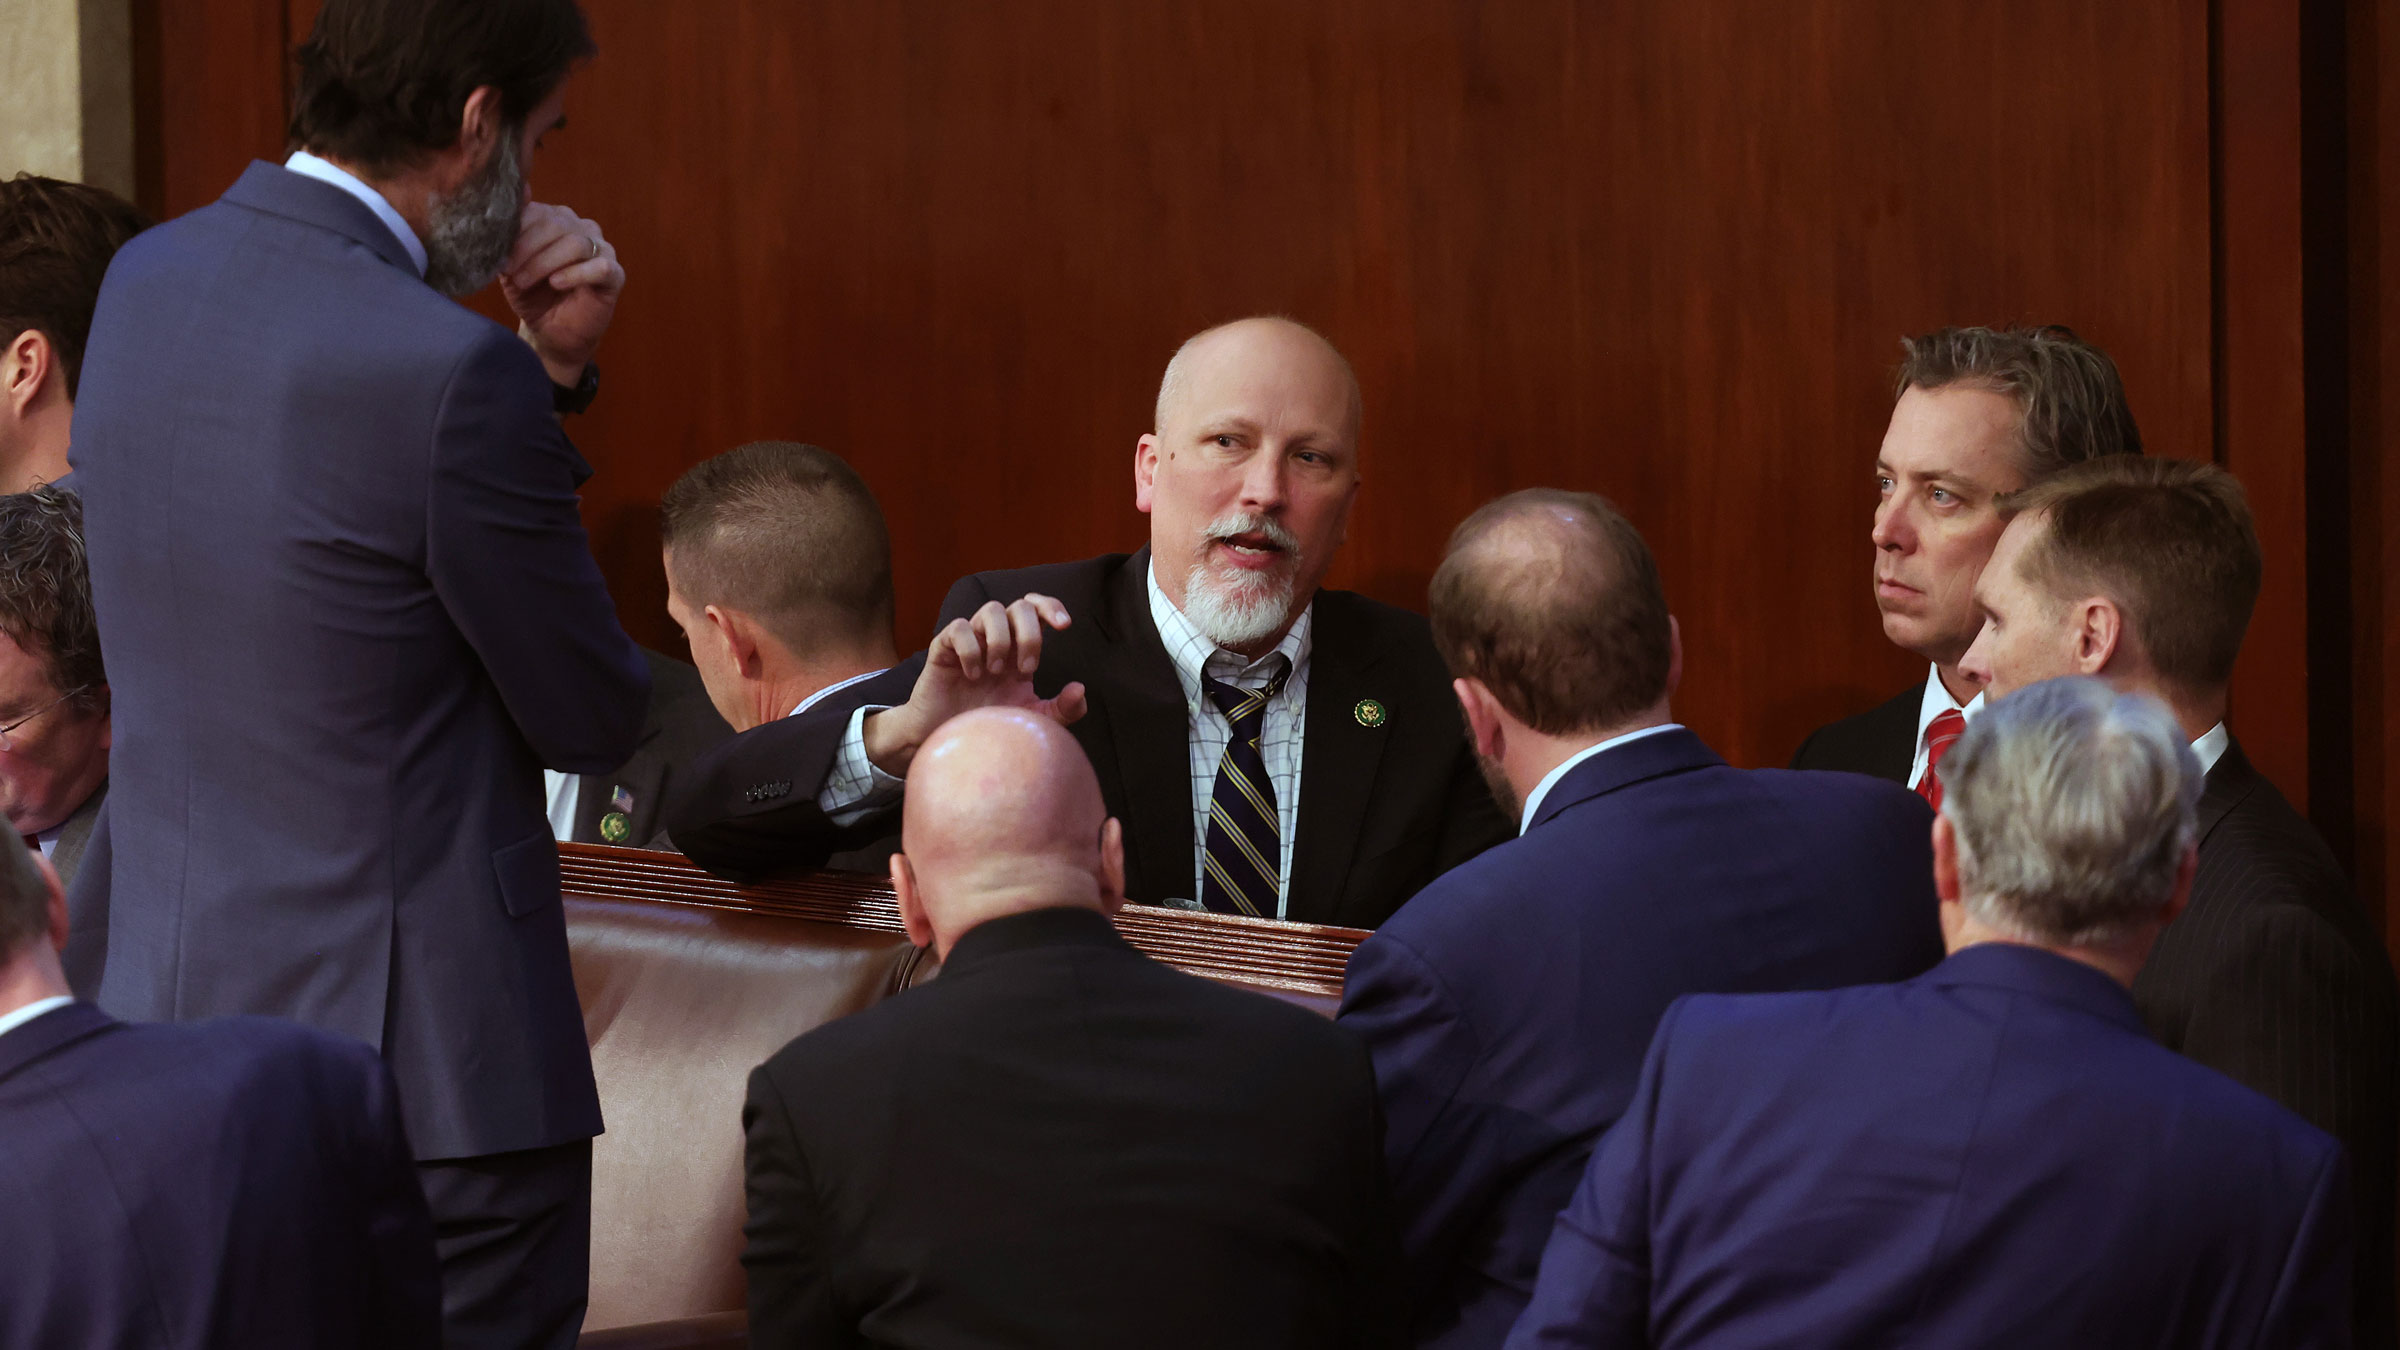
{"x":1508,"y":1006}
{"x":350,"y":614}
{"x":231,"y":1184}
{"x":1995,"y":1153}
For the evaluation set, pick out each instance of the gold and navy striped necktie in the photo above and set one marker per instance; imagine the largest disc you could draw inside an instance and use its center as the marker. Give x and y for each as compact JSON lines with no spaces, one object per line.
{"x":1243,"y":867}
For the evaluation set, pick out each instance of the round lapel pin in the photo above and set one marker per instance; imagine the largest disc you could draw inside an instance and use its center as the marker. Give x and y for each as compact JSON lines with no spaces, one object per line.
{"x":615,"y":826}
{"x":1369,"y":713}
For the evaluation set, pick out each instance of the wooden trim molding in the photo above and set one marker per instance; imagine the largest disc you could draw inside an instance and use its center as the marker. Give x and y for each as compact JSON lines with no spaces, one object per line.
{"x":1301,"y":957}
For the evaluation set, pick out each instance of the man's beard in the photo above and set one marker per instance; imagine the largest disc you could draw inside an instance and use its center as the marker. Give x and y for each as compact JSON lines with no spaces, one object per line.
{"x":1245,"y":608}
{"x":473,"y":229}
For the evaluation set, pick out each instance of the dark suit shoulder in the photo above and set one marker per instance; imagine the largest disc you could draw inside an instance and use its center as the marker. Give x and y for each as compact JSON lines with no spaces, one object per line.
{"x":1068,"y":582}
{"x":680,"y":709}
{"x":1881,"y":741}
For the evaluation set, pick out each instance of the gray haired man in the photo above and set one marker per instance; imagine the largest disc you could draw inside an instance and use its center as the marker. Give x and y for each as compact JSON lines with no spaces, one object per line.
{"x":1993,"y":1153}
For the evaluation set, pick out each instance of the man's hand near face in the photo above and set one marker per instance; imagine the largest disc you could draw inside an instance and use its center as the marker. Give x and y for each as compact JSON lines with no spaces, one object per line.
{"x":562,"y":280}
{"x":985,"y":660}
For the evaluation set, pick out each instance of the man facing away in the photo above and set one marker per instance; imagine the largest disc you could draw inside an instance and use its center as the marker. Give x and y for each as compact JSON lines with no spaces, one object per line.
{"x":779,"y":573}
{"x":1059,"y":1141}
{"x":1982,"y":412}
{"x":2143,"y":573}
{"x":351,"y":614}
{"x":1994,"y":1153}
{"x":1507,"y":1006}
{"x":55,"y":243}
{"x":216,"y":1186}
{"x":1275,"y":750}
{"x":54,"y":726}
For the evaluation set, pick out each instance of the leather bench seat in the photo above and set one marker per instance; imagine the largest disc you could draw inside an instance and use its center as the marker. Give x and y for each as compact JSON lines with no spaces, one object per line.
{"x":688,"y":982}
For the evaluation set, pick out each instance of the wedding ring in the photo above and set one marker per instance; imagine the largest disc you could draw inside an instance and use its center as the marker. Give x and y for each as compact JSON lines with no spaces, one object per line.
{"x":595,"y":245}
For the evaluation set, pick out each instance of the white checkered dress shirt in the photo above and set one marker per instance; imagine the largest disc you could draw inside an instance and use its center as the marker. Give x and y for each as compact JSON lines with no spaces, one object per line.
{"x":1280,"y":736}
{"x":856,"y":786}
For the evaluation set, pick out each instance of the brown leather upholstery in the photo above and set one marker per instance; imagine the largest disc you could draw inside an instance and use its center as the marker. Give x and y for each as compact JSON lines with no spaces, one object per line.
{"x":688,"y":983}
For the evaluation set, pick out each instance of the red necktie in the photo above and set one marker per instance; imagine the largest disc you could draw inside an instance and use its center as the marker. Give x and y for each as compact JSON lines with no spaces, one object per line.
{"x":1940,"y":734}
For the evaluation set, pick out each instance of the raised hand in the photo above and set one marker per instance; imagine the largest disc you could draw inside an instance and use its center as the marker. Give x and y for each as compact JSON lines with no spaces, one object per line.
{"x":985,"y":660}
{"x":562,"y":280}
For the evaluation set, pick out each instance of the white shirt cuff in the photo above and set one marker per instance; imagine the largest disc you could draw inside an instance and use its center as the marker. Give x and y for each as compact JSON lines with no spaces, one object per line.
{"x":857,"y":789}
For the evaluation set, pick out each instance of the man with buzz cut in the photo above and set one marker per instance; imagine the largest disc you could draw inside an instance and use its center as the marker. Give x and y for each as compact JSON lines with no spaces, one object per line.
{"x":56,"y":240}
{"x":1981,"y":412}
{"x":779,"y":573}
{"x":1276,"y":750}
{"x":2143,"y":573}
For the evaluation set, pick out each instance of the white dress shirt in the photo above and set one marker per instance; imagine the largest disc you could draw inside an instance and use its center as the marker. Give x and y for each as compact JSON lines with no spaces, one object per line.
{"x":2211,"y":747}
{"x":564,"y":789}
{"x":1533,"y":799}
{"x":1937,"y":701}
{"x":326,"y":171}
{"x":856,"y":786}
{"x":10,"y":1021}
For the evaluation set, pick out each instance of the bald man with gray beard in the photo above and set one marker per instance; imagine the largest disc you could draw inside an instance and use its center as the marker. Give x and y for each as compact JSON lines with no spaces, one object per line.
{"x":1059,"y":1141}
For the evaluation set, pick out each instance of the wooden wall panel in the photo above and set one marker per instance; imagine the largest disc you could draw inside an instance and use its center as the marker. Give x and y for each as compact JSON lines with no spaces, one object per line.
{"x":1666,"y":252}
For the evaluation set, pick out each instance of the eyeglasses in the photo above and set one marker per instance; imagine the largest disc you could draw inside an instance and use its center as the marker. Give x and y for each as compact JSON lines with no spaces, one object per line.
{"x":11,"y":727}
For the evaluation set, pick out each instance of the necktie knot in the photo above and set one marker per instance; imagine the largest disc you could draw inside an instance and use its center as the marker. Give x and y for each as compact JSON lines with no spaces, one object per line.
{"x":1241,"y":705}
{"x":1940,"y":734}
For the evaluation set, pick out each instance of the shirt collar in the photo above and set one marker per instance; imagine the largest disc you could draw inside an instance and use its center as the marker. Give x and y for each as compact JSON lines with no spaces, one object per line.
{"x":10,"y":1021}
{"x":1937,"y":701}
{"x":1533,"y":799}
{"x":326,"y":171}
{"x":811,"y":701}
{"x":1195,"y":656}
{"x":2211,"y":747}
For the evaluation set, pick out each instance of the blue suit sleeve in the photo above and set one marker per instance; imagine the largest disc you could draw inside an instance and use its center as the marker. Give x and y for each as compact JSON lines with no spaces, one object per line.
{"x":506,"y":552}
{"x":1423,"y":1051}
{"x":1594,"y":1289}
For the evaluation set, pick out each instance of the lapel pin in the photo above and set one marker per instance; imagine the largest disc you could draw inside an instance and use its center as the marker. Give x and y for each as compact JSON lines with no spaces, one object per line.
{"x":615,"y":826}
{"x":1369,"y":713}
{"x":621,"y":799}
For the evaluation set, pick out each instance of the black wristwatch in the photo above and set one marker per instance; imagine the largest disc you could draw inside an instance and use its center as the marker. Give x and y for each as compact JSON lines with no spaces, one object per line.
{"x":578,"y":396}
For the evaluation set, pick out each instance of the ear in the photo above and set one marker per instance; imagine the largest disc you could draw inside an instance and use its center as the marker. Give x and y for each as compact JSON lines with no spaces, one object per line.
{"x":737,"y":635}
{"x":479,"y":122}
{"x":1112,"y":866}
{"x":27,"y":367}
{"x":1945,"y":860}
{"x":1485,"y":726}
{"x":912,"y":905}
{"x":1145,"y":471}
{"x":1674,"y":655}
{"x":2098,"y":634}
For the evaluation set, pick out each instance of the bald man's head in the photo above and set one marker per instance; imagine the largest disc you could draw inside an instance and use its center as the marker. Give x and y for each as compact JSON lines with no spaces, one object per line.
{"x":1248,"y":477}
{"x":1003,"y":815}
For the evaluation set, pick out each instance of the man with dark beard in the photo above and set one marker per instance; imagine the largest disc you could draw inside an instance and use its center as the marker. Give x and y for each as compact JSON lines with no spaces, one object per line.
{"x":1275,"y":750}
{"x":1508,"y":1007}
{"x":351,"y":614}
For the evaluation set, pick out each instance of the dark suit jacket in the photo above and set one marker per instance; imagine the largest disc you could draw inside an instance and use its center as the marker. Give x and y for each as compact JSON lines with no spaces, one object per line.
{"x":1383,"y":809}
{"x":232,"y":1184}
{"x":1062,"y":1142}
{"x":1992,"y":1154}
{"x":350,"y":614}
{"x":1509,"y":1005}
{"x":2276,"y":977}
{"x":681,"y":725}
{"x":1881,"y":741}
{"x":75,"y":836}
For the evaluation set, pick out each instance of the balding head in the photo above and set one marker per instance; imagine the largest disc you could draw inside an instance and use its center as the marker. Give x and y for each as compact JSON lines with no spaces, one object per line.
{"x":1248,"y":476}
{"x":1551,"y":600}
{"x":1003,"y":815}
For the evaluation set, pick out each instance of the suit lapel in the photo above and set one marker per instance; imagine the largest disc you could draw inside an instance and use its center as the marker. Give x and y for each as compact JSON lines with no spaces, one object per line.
{"x":1136,"y":691}
{"x":1338,"y":759}
{"x":76,"y":835}
{"x":48,"y":1032}
{"x":642,"y":775}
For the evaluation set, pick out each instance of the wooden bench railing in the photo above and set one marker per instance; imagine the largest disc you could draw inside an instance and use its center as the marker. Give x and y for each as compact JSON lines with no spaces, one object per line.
{"x":1304,"y":958}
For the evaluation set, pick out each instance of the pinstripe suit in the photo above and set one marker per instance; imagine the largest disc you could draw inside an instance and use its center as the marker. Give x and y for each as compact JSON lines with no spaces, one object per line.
{"x":2275,"y":977}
